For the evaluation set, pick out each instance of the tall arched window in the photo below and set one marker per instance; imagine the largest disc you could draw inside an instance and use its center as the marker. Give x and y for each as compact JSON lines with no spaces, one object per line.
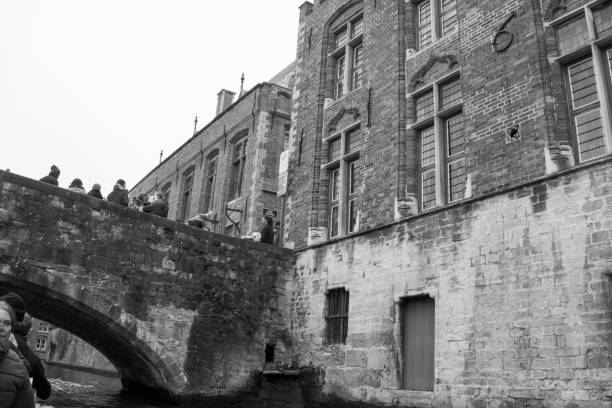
{"x":347,"y":56}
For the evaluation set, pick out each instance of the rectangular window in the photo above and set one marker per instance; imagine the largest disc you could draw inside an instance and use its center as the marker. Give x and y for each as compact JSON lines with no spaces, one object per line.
{"x":347,"y":57}
{"x":424,"y":24}
{"x":336,"y":318}
{"x":185,"y":204}
{"x":417,"y":329}
{"x":209,"y":190}
{"x":602,"y":17}
{"x":448,"y":16}
{"x":43,"y":327}
{"x":345,"y":177}
{"x":41,"y":344}
{"x":572,"y":35}
{"x":237,"y":170}
{"x":434,"y":20}
{"x":440,"y":132}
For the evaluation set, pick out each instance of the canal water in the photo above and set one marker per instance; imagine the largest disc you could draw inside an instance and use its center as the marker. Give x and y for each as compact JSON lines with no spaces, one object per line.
{"x":75,"y":388}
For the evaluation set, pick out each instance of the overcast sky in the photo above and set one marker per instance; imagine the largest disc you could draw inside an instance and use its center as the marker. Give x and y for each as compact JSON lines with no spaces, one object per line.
{"x":100,"y":87}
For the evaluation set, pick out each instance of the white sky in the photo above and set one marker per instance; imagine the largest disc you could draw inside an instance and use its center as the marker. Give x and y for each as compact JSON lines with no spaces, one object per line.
{"x":99,"y":87}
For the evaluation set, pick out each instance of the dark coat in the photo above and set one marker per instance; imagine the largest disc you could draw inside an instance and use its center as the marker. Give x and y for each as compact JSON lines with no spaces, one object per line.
{"x":34,"y":367}
{"x":267,"y":234}
{"x":157,"y":207}
{"x":50,"y":179}
{"x":15,"y":390}
{"x":96,"y":194}
{"x":119,"y":195}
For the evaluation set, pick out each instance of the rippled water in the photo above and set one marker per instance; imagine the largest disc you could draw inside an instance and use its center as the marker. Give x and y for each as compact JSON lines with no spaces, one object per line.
{"x":73,"y":388}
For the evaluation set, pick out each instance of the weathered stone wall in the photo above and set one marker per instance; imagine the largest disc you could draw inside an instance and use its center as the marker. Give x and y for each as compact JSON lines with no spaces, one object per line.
{"x":65,"y":348}
{"x":260,"y":114}
{"x":171,"y":306}
{"x":521,"y":282}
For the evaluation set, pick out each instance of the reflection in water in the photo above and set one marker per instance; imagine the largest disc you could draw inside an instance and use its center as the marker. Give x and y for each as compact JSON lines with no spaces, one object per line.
{"x":73,"y":388}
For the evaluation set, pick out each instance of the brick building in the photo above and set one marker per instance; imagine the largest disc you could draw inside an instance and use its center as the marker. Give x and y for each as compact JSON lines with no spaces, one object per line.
{"x":228,"y":170}
{"x":450,"y":202}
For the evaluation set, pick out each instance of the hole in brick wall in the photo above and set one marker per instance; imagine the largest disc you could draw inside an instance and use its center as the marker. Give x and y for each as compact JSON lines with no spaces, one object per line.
{"x":513,"y":134}
{"x":270,"y":353}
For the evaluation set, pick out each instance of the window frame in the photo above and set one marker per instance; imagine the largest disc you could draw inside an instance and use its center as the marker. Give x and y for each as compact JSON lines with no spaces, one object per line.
{"x":41,"y":343}
{"x":436,"y":122}
{"x":185,"y":198}
{"x":210,"y":178}
{"x":343,"y":80}
{"x":339,"y":166}
{"x":437,"y":29}
{"x":237,"y":165}
{"x":336,"y":315}
{"x":599,"y":51}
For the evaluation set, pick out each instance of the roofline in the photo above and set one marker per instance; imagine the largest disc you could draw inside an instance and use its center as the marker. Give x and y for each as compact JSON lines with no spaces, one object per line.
{"x":199,"y":132}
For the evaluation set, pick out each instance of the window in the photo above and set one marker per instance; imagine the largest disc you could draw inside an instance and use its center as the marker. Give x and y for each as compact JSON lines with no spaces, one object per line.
{"x":588,"y":75}
{"x":209,"y":187}
{"x":347,"y":57}
{"x":237,"y":170}
{"x":41,"y":343}
{"x":439,"y":128}
{"x":336,"y":319}
{"x":43,"y":327}
{"x":434,"y":19}
{"x":166,"y":190}
{"x":187,"y":185}
{"x":418,"y":338}
{"x":345,"y":176}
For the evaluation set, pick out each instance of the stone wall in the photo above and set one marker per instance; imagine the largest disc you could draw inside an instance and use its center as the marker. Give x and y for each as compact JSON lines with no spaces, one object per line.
{"x":171,"y":306}
{"x":521,"y":282}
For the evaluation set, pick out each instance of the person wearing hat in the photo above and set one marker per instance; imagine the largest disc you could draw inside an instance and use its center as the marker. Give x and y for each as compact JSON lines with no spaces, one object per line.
{"x":52,"y":177}
{"x":77,"y":186}
{"x":119,"y":195}
{"x":21,"y":327}
{"x":96,"y":191}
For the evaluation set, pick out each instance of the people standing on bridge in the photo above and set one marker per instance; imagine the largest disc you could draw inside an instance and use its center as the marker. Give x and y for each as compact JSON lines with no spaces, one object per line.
{"x":96,"y":191}
{"x":15,"y":389}
{"x":21,"y":328}
{"x":158,"y":206}
{"x":119,"y":195}
{"x":77,"y":186}
{"x":52,"y":177}
{"x":267,"y":231}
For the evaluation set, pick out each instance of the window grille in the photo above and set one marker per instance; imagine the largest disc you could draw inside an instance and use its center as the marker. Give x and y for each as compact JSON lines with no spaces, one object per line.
{"x":337,"y":316}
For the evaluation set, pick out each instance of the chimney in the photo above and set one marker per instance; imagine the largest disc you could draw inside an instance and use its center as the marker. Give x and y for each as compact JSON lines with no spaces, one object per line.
{"x":224,"y":99}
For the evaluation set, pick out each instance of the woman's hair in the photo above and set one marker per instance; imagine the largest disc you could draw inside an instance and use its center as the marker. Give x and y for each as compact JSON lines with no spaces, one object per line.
{"x":9,"y":309}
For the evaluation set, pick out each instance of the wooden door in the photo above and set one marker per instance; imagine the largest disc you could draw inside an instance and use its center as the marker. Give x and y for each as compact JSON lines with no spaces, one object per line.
{"x":417,"y":332}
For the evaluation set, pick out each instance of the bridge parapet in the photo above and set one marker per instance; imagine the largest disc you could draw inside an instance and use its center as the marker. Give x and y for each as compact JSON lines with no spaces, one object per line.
{"x":174,"y":308}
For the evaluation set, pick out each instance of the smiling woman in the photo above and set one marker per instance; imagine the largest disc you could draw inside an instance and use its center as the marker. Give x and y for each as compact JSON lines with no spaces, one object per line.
{"x":15,"y":390}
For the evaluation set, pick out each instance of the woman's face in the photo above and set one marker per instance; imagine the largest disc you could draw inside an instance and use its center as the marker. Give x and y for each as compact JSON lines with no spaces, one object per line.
{"x":5,"y":324}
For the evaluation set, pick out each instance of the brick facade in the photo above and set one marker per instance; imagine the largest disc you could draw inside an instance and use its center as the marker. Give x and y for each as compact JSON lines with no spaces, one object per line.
{"x":261,"y":116}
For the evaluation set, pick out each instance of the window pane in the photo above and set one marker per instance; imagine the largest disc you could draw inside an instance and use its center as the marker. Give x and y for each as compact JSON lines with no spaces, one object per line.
{"x":429,"y":189}
{"x":337,"y":315}
{"x":610,"y":63}
{"x":590,"y":135}
{"x":448,"y":16}
{"x":333,"y":224}
{"x":572,"y":35}
{"x":334,"y":185}
{"x":456,"y":180}
{"x":355,"y":177}
{"x":353,"y":140}
{"x":602,"y":18}
{"x":357,"y":66}
{"x":450,"y":94}
{"x":356,"y":27}
{"x":582,"y":83}
{"x":424,"y":24}
{"x":424,"y":106}
{"x":352,"y":215}
{"x":340,"y":38}
{"x":333,"y":149}
{"x":454,"y":135}
{"x":428,"y":147}
{"x":339,"y":77}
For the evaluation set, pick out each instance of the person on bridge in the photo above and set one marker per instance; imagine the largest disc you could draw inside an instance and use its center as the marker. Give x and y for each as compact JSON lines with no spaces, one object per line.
{"x":95,"y":191}
{"x":119,"y":195}
{"x":77,"y":186}
{"x":21,"y":328}
{"x":158,"y":207}
{"x":52,"y":177}
{"x":267,"y":231}
{"x":15,"y":389}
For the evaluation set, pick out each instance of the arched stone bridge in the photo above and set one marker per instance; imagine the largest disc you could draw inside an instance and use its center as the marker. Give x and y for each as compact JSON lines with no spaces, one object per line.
{"x":175,"y":309}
